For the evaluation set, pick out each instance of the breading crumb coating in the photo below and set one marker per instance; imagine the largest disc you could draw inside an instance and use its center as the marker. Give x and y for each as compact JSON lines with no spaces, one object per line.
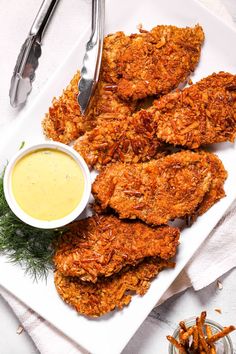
{"x":152,"y":63}
{"x":155,"y":191}
{"x":64,"y":121}
{"x":103,"y":245}
{"x":216,"y":190}
{"x":97,"y":299}
{"x":133,"y":67}
{"x":204,"y":113}
{"x":132,"y":139}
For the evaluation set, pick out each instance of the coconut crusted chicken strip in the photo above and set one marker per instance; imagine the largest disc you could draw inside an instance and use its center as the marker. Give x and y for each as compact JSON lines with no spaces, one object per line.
{"x":132,"y":139}
{"x":102,"y":245}
{"x":204,"y":113}
{"x":97,"y":299}
{"x":152,"y":63}
{"x":155,"y":191}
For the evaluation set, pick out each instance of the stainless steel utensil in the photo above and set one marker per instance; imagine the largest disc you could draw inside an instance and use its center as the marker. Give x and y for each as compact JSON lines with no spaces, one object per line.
{"x":27,"y":61}
{"x":93,"y":56}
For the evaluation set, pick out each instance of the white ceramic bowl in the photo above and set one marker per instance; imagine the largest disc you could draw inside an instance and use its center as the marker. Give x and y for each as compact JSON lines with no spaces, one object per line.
{"x":42,"y":223}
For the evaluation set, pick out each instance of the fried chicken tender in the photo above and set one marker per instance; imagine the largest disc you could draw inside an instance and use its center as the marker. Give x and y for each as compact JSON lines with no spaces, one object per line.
{"x":201,"y":114}
{"x":103,"y":245}
{"x":97,"y":299}
{"x":132,"y":139}
{"x":216,"y":190}
{"x":155,"y":191}
{"x":170,"y":65}
{"x":64,"y":121}
{"x":152,"y":63}
{"x":204,"y":113}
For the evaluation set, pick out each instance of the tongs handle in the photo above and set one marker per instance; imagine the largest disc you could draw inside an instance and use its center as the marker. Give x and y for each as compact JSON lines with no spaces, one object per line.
{"x":27,"y":60}
{"x":98,"y":18}
{"x":94,"y":16}
{"x":93,"y":56}
{"x":42,"y":18}
{"x":98,"y":14}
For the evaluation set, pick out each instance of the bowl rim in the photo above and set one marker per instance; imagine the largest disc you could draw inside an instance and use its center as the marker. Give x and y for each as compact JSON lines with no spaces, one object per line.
{"x":14,"y":206}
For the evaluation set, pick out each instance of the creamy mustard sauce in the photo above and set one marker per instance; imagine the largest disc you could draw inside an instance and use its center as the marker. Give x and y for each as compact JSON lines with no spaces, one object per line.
{"x":47,"y":184}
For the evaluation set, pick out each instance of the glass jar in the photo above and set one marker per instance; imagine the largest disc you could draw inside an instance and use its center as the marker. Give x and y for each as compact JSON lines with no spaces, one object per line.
{"x":223,"y":346}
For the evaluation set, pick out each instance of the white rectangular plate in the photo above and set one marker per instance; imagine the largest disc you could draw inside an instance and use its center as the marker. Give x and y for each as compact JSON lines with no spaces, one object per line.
{"x":109,"y":334}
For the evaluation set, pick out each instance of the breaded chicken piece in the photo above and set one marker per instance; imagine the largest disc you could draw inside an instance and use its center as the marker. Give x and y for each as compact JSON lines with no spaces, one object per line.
{"x":152,"y":63}
{"x":201,"y":114}
{"x":204,"y":113}
{"x":103,"y":245}
{"x":97,"y":299}
{"x":216,"y":191}
{"x":106,"y":105}
{"x":113,"y":47}
{"x":155,"y":191}
{"x":132,"y":139}
{"x":64,"y":121}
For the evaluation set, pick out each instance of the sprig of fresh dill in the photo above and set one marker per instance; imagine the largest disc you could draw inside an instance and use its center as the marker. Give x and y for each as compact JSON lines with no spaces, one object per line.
{"x":26,"y":245}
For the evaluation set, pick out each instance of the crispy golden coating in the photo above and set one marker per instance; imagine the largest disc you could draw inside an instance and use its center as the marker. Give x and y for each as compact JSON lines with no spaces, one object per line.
{"x":155,"y":191}
{"x":204,"y":113}
{"x":132,"y":139}
{"x":152,"y":63}
{"x":113,"y":46}
{"x":97,"y":299}
{"x":216,"y":191}
{"x":103,"y":245}
{"x":201,"y":114}
{"x":106,"y":105}
{"x":64,"y":122}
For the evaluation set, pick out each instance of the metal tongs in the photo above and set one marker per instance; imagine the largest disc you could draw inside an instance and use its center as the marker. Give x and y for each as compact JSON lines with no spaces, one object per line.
{"x":93,"y":56}
{"x":27,"y":61}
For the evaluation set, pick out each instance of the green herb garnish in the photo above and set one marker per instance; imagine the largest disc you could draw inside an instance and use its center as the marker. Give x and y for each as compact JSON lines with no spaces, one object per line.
{"x":22,"y":145}
{"x":31,"y":247}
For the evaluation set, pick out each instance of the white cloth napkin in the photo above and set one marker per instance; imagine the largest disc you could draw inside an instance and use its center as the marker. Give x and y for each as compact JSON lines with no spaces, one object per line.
{"x":215,"y":257}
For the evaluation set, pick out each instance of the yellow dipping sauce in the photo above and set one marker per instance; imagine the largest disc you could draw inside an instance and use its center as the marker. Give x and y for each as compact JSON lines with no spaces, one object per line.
{"x":47,"y":184}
